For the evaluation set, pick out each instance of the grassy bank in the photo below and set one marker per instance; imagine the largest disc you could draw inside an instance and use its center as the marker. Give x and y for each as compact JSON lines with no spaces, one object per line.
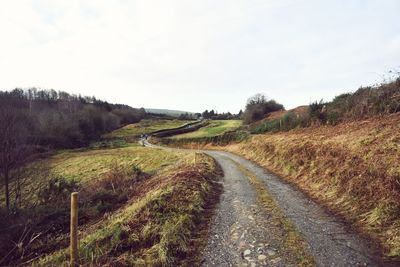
{"x":352,"y":168}
{"x":92,"y":164}
{"x":157,"y":226}
{"x":366,"y":102}
{"x":195,"y":142}
{"x":144,"y":127}
{"x":217,"y":132}
{"x":160,"y":194}
{"x":89,"y":165}
{"x":214,"y":128}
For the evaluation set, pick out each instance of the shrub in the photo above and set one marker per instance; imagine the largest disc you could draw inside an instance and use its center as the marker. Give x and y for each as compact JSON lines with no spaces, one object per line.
{"x":341,"y":103}
{"x":57,"y":190}
{"x":223,"y":139}
{"x":365,"y":102}
{"x":288,"y":122}
{"x":333,"y":117}
{"x":316,"y":111}
{"x":268,"y":126}
{"x":258,"y":107}
{"x":105,"y":200}
{"x":136,"y":170}
{"x":112,"y":143}
{"x":113,"y":189}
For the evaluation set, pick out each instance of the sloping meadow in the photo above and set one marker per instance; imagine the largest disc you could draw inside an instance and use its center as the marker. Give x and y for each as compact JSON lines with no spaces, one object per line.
{"x":352,"y":168}
{"x":159,"y":224}
{"x":137,"y":206}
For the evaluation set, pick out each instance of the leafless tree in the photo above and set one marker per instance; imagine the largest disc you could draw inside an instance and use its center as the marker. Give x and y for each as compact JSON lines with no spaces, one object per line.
{"x":258,"y":106}
{"x":13,"y":134}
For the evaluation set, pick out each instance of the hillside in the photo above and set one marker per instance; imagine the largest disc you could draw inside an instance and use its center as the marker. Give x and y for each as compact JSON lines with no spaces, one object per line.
{"x":213,"y":131}
{"x":133,"y":131}
{"x":137,"y":205}
{"x":55,"y":119}
{"x":271,"y":135}
{"x":301,"y":110}
{"x":344,"y":154}
{"x":130,"y":207}
{"x":352,"y":168}
{"x":170,"y":112}
{"x":214,"y":128}
{"x":364,"y":103}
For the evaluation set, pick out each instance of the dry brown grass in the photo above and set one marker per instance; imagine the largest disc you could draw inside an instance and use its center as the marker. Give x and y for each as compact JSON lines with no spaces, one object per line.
{"x":301,"y":110}
{"x":352,"y":168}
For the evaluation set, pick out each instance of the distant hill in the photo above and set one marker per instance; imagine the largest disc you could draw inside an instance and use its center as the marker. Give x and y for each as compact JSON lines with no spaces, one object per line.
{"x":174,"y":113}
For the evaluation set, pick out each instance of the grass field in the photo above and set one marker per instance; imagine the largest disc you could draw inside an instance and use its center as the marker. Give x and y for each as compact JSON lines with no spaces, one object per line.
{"x":158,"y":226}
{"x":215,"y":128}
{"x":145,"y":127}
{"x":87,"y":166}
{"x":91,"y":164}
{"x":137,"y":205}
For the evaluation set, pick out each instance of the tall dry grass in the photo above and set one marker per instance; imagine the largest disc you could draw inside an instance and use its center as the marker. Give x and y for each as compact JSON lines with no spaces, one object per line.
{"x":352,"y":168}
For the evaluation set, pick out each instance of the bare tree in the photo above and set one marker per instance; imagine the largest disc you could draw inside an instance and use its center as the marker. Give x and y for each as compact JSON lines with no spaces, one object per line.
{"x":256,"y":100}
{"x":36,"y":176}
{"x":258,"y":106}
{"x":13,"y":133}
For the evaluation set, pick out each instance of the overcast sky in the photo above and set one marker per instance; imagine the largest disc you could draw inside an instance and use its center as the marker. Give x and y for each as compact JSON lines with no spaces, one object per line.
{"x":195,"y":55}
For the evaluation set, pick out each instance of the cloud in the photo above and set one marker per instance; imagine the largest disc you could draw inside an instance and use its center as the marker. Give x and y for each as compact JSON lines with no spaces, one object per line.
{"x":194,"y":55}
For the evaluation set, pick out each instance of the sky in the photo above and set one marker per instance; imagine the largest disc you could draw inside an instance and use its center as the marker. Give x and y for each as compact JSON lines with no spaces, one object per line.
{"x":196,"y":55}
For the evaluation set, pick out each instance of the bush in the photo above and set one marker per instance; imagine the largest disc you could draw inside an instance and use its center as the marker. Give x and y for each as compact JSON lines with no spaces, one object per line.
{"x":316,"y":111}
{"x":333,"y":117}
{"x":268,"y":126}
{"x":111,"y":143}
{"x":105,"y":200}
{"x":223,"y":139}
{"x":365,"y":102}
{"x":341,"y":103}
{"x":136,"y":170}
{"x":57,"y":190}
{"x":258,"y":107}
{"x":288,"y":122}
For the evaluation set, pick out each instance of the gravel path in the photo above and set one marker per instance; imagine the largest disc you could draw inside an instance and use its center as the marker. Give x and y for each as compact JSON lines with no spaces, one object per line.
{"x":329,"y":241}
{"x":244,"y":234}
{"x":241,"y":233}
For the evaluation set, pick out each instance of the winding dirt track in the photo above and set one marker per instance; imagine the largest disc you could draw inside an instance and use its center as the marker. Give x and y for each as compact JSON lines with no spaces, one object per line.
{"x":242,"y":234}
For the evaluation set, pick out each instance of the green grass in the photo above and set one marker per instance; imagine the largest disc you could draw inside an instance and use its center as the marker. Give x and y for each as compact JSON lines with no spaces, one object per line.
{"x":91,"y":164}
{"x":215,"y":128}
{"x":144,"y":127}
{"x":148,"y":218}
{"x":87,"y":166}
{"x":154,"y":230}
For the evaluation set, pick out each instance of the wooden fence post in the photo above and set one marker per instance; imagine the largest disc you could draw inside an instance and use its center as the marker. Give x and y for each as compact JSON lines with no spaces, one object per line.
{"x":196,"y":157}
{"x":74,"y":230}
